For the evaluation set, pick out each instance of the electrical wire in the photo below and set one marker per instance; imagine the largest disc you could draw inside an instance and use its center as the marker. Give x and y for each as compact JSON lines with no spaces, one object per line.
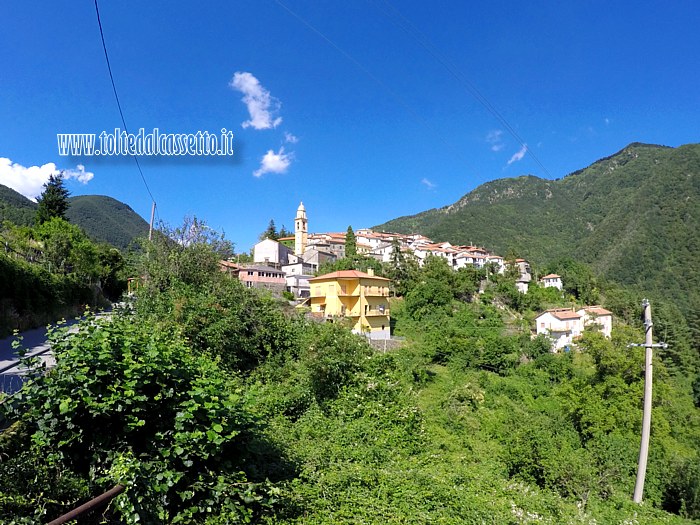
{"x":402,"y":102}
{"x":116,"y":96}
{"x":394,"y":15}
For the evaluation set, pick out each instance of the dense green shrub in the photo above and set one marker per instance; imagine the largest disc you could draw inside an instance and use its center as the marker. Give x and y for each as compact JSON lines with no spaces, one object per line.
{"x":127,"y":404}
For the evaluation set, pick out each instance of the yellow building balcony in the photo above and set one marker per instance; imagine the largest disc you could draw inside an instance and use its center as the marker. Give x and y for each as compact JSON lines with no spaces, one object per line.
{"x":376,"y":312}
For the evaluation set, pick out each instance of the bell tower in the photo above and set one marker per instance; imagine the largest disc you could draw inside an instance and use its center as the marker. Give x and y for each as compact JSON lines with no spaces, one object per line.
{"x":301,"y":230}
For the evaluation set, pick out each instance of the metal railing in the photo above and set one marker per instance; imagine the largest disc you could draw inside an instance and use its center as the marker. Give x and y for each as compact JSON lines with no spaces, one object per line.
{"x":93,"y":504}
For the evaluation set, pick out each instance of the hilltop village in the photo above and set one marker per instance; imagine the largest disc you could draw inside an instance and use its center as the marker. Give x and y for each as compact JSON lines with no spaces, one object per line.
{"x":291,"y":264}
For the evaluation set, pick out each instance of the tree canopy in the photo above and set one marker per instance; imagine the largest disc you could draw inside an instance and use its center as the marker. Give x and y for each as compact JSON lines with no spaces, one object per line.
{"x":53,"y":201}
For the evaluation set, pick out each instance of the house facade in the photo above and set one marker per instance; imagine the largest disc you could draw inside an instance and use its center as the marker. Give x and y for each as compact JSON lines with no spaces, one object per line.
{"x":361,"y":297}
{"x":596,"y":316}
{"x":561,"y":325}
{"x":552,"y":281}
{"x":271,"y":253}
{"x":564,"y":325}
{"x":259,"y":276}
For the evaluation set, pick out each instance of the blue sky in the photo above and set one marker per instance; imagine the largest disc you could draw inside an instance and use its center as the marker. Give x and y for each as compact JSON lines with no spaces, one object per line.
{"x":380,"y":127}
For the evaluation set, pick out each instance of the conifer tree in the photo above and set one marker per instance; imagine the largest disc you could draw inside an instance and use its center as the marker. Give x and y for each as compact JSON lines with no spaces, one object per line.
{"x":270,"y":232}
{"x":350,"y":243}
{"x":53,"y":201}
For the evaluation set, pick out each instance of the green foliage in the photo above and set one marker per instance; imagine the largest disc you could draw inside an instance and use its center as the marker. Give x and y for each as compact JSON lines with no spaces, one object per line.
{"x":359,"y":262}
{"x":16,"y":208}
{"x":350,"y":243}
{"x":31,"y":296}
{"x":188,"y":254}
{"x":127,"y":404}
{"x":402,"y":269}
{"x":53,"y":270}
{"x":53,"y":201}
{"x":470,"y":421}
{"x":104,"y":219}
{"x":270,"y":232}
{"x":578,"y":280}
{"x":223,"y":319}
{"x":631,"y":216}
{"x":107,"y":220}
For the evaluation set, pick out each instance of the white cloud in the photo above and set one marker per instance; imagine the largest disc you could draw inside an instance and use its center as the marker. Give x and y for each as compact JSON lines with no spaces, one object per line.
{"x":428,"y":184}
{"x":29,"y":181}
{"x":494,"y":138}
{"x":79,"y":174}
{"x":607,"y":121}
{"x":261,"y":105}
{"x":518,"y":155}
{"x":289,"y":138}
{"x":273,"y":162}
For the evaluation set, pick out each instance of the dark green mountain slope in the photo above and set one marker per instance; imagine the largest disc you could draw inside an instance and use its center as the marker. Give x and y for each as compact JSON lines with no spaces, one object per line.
{"x":634,"y":216}
{"x":103,"y":218}
{"x":106,"y":219}
{"x":15,"y":207}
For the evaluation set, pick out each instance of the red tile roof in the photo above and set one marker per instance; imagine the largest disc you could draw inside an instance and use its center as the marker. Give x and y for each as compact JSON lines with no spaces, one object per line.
{"x":348,"y":274}
{"x":596,"y":310}
{"x":562,"y":313}
{"x":552,"y":276}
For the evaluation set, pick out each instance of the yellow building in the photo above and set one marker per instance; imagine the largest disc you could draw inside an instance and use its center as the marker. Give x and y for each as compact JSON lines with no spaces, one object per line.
{"x":361,"y":297}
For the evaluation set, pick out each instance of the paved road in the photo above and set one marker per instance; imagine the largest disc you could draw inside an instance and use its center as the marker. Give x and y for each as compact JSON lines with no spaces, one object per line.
{"x":11,"y":375}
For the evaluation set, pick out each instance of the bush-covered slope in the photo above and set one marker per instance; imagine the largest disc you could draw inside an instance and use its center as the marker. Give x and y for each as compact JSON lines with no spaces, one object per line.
{"x":106,"y":219}
{"x":634,"y":216}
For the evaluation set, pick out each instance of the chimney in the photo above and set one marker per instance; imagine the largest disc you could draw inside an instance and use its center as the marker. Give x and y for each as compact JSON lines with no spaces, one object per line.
{"x":370,"y":272}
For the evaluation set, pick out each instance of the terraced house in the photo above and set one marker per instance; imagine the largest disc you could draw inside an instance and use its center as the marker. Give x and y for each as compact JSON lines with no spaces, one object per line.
{"x":361,"y":297}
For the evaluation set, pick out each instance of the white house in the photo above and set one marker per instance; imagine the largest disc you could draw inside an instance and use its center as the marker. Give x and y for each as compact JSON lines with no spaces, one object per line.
{"x":498,"y":261}
{"x":597,"y":316}
{"x":562,"y":325}
{"x":271,"y":253}
{"x":551,"y":281}
{"x":298,"y":284}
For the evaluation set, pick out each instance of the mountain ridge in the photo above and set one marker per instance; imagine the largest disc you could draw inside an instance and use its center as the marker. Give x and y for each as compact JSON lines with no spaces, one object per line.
{"x":633,"y":216}
{"x":104,"y":218}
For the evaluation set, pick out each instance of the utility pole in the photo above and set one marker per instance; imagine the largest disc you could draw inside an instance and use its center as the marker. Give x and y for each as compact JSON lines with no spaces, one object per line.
{"x":646,"y":418}
{"x":150,"y":226}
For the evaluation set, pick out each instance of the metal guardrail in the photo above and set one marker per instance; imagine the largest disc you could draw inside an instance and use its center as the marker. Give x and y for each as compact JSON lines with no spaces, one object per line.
{"x":93,"y":504}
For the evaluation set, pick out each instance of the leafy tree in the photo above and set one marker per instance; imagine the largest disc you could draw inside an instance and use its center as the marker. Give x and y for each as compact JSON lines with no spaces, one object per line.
{"x":68,"y":250}
{"x":360,"y":263}
{"x":577,"y":279}
{"x":188,"y":254}
{"x":402,"y":269}
{"x":53,"y":201}
{"x":350,"y":243}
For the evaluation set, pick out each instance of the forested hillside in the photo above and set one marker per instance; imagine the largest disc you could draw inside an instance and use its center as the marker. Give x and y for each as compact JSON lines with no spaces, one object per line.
{"x":633,"y":216}
{"x":15,"y":207}
{"x":106,"y":219}
{"x":103,"y":218}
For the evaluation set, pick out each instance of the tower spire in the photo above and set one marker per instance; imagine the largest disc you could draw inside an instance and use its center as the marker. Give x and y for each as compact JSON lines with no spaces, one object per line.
{"x":301,"y":230}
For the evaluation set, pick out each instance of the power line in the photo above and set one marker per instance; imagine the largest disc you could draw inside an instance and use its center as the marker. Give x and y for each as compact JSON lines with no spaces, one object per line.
{"x":400,"y":20}
{"x":116,"y":96}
